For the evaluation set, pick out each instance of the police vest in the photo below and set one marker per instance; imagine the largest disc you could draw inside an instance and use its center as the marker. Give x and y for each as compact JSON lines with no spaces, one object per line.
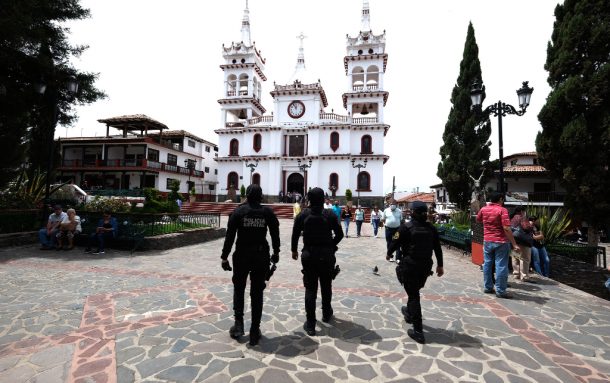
{"x":252,"y":228}
{"x":316,"y":228}
{"x":421,"y":243}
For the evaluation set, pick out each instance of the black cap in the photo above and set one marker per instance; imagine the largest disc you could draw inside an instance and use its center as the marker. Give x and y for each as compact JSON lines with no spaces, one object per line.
{"x":316,"y":197}
{"x":254,"y":193}
{"x":419,"y":207}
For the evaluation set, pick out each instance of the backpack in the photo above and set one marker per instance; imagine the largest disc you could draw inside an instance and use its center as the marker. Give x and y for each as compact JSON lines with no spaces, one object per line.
{"x":317,"y":229}
{"x":421,"y":244}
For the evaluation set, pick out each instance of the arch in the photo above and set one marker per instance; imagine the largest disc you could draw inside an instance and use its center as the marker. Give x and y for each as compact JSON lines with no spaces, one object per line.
{"x":357,"y":78}
{"x":256,"y":179}
{"x":234,"y":147}
{"x":257,"y":142}
{"x":364,"y":181}
{"x":334,"y":141}
{"x":366,"y":144}
{"x":372,"y":77}
{"x":243,"y":84}
{"x":255,"y":86}
{"x":333,"y":180}
{"x":295,"y":183}
{"x":231,"y":85}
{"x":232,"y":179}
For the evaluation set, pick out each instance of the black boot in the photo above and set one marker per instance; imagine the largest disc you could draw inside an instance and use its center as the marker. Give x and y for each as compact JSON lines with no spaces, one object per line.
{"x":310,"y":328}
{"x":405,"y":313}
{"x":327,"y":316}
{"x":255,"y":335}
{"x":417,"y":336}
{"x":237,"y":330}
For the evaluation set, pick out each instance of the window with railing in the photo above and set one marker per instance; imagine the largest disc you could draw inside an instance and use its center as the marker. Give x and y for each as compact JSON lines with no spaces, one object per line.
{"x":232,"y":180}
{"x":153,"y":155}
{"x":333,"y":181}
{"x":169,"y":182}
{"x":296,"y":145}
{"x":366,"y":144}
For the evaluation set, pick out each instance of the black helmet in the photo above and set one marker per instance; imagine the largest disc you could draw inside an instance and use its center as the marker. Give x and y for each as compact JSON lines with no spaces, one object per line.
{"x":254,"y":193}
{"x":316,"y":197}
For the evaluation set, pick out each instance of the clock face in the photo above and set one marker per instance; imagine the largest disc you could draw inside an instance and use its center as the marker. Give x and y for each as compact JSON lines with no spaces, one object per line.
{"x":296,"y":109}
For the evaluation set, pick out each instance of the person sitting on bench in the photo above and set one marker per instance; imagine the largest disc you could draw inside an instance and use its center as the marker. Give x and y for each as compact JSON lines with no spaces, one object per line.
{"x":107,"y":228}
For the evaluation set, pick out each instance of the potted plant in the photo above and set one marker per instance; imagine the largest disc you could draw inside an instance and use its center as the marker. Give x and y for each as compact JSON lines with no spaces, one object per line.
{"x":348,"y":197}
{"x":192,"y":195}
{"x":242,"y":193}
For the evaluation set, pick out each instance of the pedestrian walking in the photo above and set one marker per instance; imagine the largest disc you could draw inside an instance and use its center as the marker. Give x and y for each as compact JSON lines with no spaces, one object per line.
{"x":337,"y":210}
{"x":497,"y":241}
{"x":346,"y":217}
{"x":359,"y":218}
{"x":250,"y":222}
{"x":321,"y":234}
{"x":417,"y":239}
{"x":391,"y":218}
{"x":375,"y":220}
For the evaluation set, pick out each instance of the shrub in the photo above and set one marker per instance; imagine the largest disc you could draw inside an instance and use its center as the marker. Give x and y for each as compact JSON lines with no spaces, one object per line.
{"x":115,"y":205}
{"x":242,"y":191}
{"x":460,"y":218}
{"x":173,"y":194}
{"x":348,"y":195}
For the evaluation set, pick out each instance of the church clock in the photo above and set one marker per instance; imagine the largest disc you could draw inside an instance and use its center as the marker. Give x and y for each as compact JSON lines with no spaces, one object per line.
{"x":296,"y":109}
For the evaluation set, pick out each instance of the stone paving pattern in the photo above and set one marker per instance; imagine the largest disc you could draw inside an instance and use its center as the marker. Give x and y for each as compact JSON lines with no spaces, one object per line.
{"x":164,"y":317}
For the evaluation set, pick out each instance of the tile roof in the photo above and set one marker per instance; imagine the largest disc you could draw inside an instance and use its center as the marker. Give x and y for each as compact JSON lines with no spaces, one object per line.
{"x":525,"y":169}
{"x":523,"y":154}
{"x":184,"y":133}
{"x":134,"y":121}
{"x":424,"y":197}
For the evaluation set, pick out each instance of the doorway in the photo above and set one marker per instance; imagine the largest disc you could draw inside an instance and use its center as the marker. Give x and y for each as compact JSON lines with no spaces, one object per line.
{"x":295,"y":183}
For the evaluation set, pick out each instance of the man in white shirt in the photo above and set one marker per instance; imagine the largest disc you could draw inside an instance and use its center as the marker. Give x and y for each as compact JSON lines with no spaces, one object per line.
{"x":48,"y":235}
{"x":392,"y":217}
{"x":327,"y":204}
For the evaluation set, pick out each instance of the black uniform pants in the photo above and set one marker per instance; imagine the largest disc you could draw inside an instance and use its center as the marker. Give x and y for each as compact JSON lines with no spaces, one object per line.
{"x":415,"y":277}
{"x":257,"y":266}
{"x":318,"y":266}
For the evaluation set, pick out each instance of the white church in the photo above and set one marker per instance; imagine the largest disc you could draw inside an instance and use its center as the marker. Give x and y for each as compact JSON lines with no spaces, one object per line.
{"x":298,"y":145}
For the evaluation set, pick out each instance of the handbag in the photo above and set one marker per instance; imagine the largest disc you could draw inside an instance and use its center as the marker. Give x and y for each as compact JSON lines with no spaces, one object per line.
{"x":522,"y":237}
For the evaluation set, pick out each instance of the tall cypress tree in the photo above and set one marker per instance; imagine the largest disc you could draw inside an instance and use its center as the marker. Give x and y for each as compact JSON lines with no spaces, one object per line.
{"x":34,"y":46}
{"x":574,"y":144}
{"x":466,"y":137}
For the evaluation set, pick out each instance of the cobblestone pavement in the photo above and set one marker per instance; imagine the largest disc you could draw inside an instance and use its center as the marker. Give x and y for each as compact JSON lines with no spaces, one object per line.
{"x":164,"y":317}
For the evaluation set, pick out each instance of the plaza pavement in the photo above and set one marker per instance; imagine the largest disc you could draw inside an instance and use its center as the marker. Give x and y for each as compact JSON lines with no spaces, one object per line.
{"x":164,"y":317}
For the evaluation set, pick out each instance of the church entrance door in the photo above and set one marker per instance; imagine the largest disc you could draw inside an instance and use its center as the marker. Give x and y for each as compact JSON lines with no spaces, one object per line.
{"x":295,"y":183}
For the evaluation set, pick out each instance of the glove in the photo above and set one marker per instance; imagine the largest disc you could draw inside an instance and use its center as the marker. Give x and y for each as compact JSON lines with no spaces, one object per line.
{"x":226,"y":266}
{"x":275,"y":258}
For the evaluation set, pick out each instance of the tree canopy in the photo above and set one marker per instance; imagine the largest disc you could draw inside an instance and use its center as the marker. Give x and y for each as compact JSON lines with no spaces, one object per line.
{"x":466,"y":137}
{"x":34,"y":48}
{"x":574,"y":144}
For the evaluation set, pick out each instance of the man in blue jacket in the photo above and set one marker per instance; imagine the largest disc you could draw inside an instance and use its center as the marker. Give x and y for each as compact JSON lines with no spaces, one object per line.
{"x":107,"y":228}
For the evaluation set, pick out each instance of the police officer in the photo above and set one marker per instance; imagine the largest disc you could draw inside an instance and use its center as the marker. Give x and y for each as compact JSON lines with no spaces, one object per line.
{"x":417,"y":239}
{"x":250,"y":221}
{"x":321,"y":234}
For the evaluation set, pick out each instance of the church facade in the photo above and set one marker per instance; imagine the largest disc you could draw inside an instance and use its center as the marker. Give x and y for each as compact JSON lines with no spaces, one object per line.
{"x":298,"y":144}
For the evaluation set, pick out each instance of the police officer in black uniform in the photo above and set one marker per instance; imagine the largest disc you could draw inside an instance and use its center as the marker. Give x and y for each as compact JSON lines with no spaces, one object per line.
{"x":417,"y":239}
{"x":321,"y":234}
{"x":250,"y":222}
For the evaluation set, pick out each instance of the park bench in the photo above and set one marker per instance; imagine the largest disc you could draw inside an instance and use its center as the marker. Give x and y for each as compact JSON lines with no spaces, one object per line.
{"x":130,"y":235}
{"x":452,"y":237}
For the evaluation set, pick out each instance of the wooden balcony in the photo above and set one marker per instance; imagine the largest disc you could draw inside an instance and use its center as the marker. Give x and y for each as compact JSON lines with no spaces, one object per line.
{"x":127,"y":165}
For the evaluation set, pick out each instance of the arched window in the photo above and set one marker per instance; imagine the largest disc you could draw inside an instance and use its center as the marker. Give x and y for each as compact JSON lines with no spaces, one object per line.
{"x":364,"y":181}
{"x":358,"y":79}
{"x":366,"y":144}
{"x":231,"y":85}
{"x":334,"y":141}
{"x":243,"y":84}
{"x":232,"y":180}
{"x":333,"y":182}
{"x":257,"y":142}
{"x":256,"y":179}
{"x":234,"y":147}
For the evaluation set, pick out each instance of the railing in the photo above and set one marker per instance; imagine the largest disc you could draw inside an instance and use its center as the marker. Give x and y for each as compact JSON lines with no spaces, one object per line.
{"x":365,"y":120}
{"x":595,"y":255}
{"x":258,"y":120}
{"x":234,"y":125}
{"x":154,"y":224}
{"x":333,"y":117}
{"x":139,"y":163}
{"x":231,"y":93}
{"x":523,"y":196}
{"x":362,"y":88}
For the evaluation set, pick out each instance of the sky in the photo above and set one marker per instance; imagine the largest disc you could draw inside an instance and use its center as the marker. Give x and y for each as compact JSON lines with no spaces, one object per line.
{"x":161,"y":58}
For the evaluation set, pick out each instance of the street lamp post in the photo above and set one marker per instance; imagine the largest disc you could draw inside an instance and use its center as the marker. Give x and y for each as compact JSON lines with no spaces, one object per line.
{"x":190,"y":165}
{"x":252,"y":166}
{"x":360,"y":167}
{"x":303,"y":168}
{"x":41,"y":88}
{"x":500,"y":110}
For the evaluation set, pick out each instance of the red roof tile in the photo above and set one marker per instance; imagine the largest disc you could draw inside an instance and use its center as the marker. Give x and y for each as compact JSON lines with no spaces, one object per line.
{"x":424,"y":197}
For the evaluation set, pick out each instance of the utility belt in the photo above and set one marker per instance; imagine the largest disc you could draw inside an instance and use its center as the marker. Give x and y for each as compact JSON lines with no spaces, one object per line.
{"x":318,"y":253}
{"x":249,"y":248}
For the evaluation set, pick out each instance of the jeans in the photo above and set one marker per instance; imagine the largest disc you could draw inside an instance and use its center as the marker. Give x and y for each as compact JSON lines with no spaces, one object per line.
{"x":346,"y":225}
{"x":99,"y":239}
{"x":495,"y":253}
{"x":389,"y":233}
{"x":47,"y":240}
{"x":358,"y":227}
{"x":375,"y":224}
{"x":541,"y":261}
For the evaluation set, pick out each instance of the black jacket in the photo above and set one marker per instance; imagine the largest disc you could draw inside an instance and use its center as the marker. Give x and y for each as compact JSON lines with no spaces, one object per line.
{"x":316,"y":234}
{"x":250,"y":223}
{"x":403,"y":239}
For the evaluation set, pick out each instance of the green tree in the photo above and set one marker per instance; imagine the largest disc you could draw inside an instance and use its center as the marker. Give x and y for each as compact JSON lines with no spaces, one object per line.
{"x":34,"y":47}
{"x":574,"y":144}
{"x":466,"y":138}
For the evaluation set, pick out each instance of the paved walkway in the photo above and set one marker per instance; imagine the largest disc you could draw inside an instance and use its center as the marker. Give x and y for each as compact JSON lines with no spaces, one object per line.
{"x":164,"y":317}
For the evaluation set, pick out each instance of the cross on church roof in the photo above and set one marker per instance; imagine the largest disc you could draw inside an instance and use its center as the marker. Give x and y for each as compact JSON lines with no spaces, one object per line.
{"x":301,"y":37}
